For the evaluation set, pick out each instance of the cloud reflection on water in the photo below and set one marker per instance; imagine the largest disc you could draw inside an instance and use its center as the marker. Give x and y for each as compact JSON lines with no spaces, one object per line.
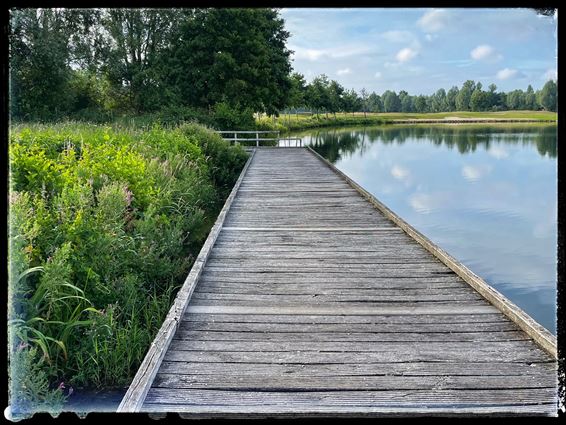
{"x":486,"y":194}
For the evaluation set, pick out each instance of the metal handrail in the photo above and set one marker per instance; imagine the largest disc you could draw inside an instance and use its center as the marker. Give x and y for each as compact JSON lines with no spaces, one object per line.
{"x":298,"y":141}
{"x":246,"y":132}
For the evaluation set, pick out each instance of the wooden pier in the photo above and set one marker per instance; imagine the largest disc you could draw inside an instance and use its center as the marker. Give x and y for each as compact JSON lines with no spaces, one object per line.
{"x":311,"y":298}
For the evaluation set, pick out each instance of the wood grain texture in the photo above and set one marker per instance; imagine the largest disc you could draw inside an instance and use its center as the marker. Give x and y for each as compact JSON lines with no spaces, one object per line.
{"x":314,"y":301}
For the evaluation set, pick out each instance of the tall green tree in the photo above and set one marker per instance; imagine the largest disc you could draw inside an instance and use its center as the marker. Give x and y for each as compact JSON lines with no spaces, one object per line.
{"x":530,"y":99}
{"x":374,"y":103}
{"x":549,"y":96}
{"x":237,"y":56}
{"x":516,"y":100}
{"x":39,"y":63}
{"x":335,"y":97}
{"x":439,"y":101}
{"x":351,"y":101}
{"x":137,"y":42}
{"x":391,"y":102}
{"x":296,"y":94}
{"x":364,"y":95}
{"x":317,"y":94}
{"x":465,"y":95}
{"x":451,"y":99}
{"x":407,"y":101}
{"x":479,"y":100}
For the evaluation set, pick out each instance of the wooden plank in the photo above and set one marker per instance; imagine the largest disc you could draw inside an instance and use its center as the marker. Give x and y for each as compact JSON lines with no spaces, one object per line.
{"x":468,"y":368}
{"x":267,"y":411}
{"x":353,"y":319}
{"x":410,"y":348}
{"x":424,"y":354}
{"x":328,"y":299}
{"x":137,"y":391}
{"x":375,"y":337}
{"x":315,"y":328}
{"x":290,"y":382}
{"x":540,"y":334}
{"x":315,"y":290}
{"x":367,"y":399}
{"x":316,"y":310}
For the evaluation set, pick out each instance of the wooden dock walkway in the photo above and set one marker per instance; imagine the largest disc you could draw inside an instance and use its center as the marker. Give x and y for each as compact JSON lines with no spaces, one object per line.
{"x":308,"y":300}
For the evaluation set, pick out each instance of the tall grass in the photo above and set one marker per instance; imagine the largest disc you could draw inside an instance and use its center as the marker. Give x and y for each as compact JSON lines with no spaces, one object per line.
{"x":104,"y":226}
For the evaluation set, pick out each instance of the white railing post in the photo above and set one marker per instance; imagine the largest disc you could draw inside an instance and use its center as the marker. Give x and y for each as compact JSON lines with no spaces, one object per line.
{"x":235,"y":138}
{"x":257,"y":139}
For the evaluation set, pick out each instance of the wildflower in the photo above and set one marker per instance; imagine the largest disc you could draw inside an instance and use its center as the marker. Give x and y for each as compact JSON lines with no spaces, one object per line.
{"x":129,"y":196}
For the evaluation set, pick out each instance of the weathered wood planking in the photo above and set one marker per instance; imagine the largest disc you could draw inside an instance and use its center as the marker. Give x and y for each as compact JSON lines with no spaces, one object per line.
{"x":315,"y":302}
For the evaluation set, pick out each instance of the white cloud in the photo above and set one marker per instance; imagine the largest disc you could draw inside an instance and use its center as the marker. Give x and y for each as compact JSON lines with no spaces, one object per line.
{"x":434,"y":20}
{"x":498,"y":152}
{"x":550,"y":74}
{"x":430,"y":37}
{"x":309,"y":54}
{"x":422,"y":203}
{"x":400,"y":173}
{"x":344,"y":71}
{"x":396,"y":36}
{"x":485,"y":52}
{"x":406,"y":54}
{"x":505,"y":74}
{"x":337,"y":52}
{"x":475,"y":173}
{"x":378,"y":75}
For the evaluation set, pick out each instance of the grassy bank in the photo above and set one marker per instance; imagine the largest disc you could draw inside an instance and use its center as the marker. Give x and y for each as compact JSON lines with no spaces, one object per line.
{"x":105,"y":224}
{"x":305,"y":121}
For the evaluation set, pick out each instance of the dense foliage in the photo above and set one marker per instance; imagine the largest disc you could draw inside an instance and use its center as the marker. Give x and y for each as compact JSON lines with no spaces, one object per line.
{"x":104,"y":226}
{"x":176,"y":64}
{"x":324,"y":95}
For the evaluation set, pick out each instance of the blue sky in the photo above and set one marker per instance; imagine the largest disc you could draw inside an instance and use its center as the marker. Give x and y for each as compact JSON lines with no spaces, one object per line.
{"x":421,"y":50}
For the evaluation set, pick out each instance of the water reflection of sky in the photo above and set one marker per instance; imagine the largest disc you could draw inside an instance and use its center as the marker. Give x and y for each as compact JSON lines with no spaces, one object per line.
{"x":494,"y":208}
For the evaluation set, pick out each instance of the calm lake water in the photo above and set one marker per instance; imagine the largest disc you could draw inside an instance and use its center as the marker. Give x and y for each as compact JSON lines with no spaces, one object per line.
{"x":486,"y":194}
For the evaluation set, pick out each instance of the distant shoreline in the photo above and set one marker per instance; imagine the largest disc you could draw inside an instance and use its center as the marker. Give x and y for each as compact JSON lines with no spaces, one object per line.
{"x":301,"y":121}
{"x":467,"y":120}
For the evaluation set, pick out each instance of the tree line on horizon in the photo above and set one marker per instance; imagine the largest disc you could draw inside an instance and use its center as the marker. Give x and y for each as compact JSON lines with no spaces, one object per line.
{"x":325,"y":95}
{"x":97,"y":64}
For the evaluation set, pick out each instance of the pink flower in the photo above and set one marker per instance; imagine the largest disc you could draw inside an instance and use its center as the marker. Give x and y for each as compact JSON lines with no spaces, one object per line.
{"x":61,"y":385}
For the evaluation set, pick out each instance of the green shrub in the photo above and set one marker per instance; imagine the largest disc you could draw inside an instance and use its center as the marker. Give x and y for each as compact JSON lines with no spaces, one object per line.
{"x":29,"y":388}
{"x":224,"y":161}
{"x":104,"y":226}
{"x":226,"y":117}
